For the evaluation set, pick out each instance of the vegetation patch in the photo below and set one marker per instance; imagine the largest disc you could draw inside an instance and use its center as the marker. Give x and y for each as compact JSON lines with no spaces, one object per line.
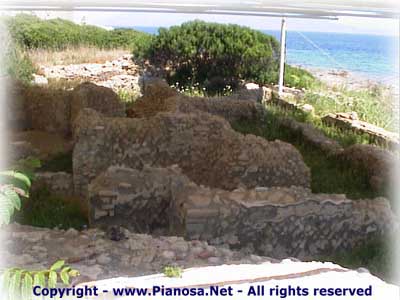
{"x":31,"y":32}
{"x":374,"y":105}
{"x":61,"y":162}
{"x":42,"y":209}
{"x":328,"y":174}
{"x":216,"y":56}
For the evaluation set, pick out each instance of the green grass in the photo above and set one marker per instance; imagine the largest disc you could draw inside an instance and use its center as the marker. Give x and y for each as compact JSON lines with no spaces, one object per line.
{"x":328,"y":174}
{"x":42,"y":209}
{"x":128,"y":97}
{"x":61,"y":162}
{"x":374,"y":105}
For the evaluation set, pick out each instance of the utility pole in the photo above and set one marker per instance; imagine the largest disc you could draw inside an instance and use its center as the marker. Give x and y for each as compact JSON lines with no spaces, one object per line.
{"x":282,"y":56}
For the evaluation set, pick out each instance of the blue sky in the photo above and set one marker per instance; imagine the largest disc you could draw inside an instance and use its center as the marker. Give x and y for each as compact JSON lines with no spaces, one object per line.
{"x":344,"y":24}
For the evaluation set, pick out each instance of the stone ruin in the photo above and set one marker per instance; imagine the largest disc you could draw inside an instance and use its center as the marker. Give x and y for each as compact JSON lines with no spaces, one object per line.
{"x":207,"y":149}
{"x":158,"y":96}
{"x":176,"y":167}
{"x":276,"y":222}
{"x":54,"y":110}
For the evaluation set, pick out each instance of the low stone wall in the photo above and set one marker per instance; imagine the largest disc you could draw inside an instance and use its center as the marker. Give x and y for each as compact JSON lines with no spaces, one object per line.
{"x":59,"y":183}
{"x":312,"y":136}
{"x":286,"y":222}
{"x":159,"y":97}
{"x":102,"y":99}
{"x":47,"y":109}
{"x":52,"y":110}
{"x":350,"y":122}
{"x":276,"y":222}
{"x":205,"y":147}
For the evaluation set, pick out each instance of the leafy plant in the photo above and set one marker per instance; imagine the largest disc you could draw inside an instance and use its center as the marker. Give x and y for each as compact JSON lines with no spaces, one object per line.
{"x":13,"y":186}
{"x":18,"y":283}
{"x":173,"y":271}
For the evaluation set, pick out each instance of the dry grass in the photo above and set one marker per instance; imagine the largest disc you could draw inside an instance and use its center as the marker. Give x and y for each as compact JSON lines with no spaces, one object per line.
{"x":74,"y":55}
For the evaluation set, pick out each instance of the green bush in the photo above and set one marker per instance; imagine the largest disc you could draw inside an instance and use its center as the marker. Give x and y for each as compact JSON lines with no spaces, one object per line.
{"x":33,"y":33}
{"x":217,"y":56}
{"x":213,"y":55}
{"x":298,"y":78}
{"x":18,"y":65}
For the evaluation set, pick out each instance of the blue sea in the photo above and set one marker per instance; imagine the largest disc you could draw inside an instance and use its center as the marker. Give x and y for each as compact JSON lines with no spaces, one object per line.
{"x":372,"y":56}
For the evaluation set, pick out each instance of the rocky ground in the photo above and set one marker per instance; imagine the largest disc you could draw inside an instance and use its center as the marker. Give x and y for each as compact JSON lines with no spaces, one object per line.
{"x":120,"y":259}
{"x":117,"y":252}
{"x":120,"y":73}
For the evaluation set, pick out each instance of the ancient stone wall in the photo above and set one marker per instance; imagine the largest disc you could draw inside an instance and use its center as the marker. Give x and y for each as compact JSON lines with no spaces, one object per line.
{"x":47,"y":109}
{"x":159,"y":97}
{"x":102,"y":99}
{"x":59,"y":183}
{"x":286,"y":222}
{"x":205,"y":147}
{"x":52,"y":110}
{"x":276,"y":222}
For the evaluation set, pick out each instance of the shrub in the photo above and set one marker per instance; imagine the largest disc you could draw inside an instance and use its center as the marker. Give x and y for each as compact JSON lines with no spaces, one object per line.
{"x":214,"y":55}
{"x":298,"y":78}
{"x":33,"y":33}
{"x":20,"y":66}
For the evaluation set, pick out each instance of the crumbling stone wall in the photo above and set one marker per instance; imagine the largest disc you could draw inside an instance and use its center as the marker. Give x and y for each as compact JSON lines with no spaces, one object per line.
{"x":205,"y":147}
{"x":53,"y":110}
{"x":159,"y":97}
{"x":283,"y":222}
{"x":47,"y":109}
{"x":102,"y":99}
{"x":139,"y":200}
{"x":276,"y":222}
{"x":59,"y":183}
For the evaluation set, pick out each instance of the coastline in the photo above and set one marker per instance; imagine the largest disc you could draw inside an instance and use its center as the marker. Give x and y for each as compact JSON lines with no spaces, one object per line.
{"x":336,"y":78}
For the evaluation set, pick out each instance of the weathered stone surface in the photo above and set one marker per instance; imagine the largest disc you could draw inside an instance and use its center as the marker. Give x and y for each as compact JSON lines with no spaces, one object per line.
{"x":376,"y":162}
{"x":21,"y":150}
{"x":47,"y":109}
{"x":59,"y":183}
{"x":96,"y":256}
{"x":351,"y":122}
{"x":53,"y":110}
{"x":159,"y":97}
{"x":137,"y":199}
{"x":102,"y":99}
{"x":205,"y":147}
{"x":120,"y":73}
{"x":276,"y":222}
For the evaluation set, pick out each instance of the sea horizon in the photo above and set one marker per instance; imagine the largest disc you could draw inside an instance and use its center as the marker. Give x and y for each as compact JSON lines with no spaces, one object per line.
{"x":370,"y":55}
